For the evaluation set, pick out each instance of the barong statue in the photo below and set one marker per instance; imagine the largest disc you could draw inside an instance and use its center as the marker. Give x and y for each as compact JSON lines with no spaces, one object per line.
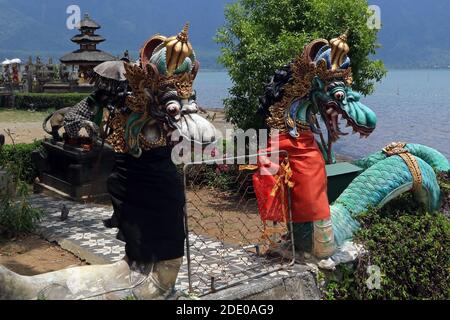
{"x":146,"y":189}
{"x":110,"y":90}
{"x":318,"y":85}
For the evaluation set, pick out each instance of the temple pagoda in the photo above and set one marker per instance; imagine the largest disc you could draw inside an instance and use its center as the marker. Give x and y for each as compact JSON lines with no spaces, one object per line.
{"x":88,"y":56}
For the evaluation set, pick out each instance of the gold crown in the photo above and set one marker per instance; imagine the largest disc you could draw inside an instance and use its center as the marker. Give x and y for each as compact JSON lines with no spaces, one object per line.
{"x":178,"y":49}
{"x":183,"y":36}
{"x":339,"y":51}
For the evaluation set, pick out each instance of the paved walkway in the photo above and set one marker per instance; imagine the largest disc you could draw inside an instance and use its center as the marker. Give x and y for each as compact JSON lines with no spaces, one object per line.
{"x":84,"y":234}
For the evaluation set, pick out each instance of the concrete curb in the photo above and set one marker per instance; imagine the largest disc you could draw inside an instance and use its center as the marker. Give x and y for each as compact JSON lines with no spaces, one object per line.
{"x":298,"y":284}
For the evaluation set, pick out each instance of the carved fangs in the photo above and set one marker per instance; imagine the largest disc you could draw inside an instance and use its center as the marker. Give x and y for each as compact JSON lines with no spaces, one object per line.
{"x":334,"y":114}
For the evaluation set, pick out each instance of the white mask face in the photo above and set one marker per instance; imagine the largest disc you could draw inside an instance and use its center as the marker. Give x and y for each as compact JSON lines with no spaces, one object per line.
{"x":189,"y":106}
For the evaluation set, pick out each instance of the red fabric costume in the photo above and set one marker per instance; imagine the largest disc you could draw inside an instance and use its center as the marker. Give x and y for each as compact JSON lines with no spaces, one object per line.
{"x":309,"y":179}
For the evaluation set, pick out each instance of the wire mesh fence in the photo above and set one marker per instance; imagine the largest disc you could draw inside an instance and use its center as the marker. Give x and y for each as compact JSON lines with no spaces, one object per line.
{"x":228,"y":243}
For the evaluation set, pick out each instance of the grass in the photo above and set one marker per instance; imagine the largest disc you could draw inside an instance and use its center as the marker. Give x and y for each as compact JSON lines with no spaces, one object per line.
{"x":20,"y":116}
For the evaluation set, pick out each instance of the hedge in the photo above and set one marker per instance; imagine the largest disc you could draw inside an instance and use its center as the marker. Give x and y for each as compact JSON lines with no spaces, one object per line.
{"x":410,"y":246}
{"x":45,"y":101}
{"x":18,"y":159}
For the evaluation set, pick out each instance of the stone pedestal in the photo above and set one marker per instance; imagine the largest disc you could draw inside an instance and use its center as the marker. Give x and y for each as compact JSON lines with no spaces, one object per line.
{"x":296,"y":283}
{"x":72,"y":172}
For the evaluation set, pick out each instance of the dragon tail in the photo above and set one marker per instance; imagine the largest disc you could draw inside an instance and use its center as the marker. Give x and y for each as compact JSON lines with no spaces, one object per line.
{"x":431,"y":156}
{"x":382,"y":182}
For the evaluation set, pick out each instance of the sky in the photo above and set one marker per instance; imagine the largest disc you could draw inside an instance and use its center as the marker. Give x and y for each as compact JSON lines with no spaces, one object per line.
{"x":414,"y":32}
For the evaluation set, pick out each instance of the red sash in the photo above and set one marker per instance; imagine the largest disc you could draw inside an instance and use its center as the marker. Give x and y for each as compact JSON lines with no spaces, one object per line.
{"x":305,"y":173}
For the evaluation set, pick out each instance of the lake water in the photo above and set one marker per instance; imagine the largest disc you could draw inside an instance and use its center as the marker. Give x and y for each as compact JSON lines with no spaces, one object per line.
{"x":411,"y":105}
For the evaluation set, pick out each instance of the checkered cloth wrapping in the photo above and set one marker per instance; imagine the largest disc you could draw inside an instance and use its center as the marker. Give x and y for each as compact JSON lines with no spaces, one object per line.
{"x":73,"y":119}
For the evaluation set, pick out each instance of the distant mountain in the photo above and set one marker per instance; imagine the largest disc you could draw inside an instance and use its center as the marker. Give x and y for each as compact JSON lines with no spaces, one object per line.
{"x":39,"y":26}
{"x":415,"y":33}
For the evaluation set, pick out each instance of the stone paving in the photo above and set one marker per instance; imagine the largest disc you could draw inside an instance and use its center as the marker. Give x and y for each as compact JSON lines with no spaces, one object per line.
{"x":84,"y":234}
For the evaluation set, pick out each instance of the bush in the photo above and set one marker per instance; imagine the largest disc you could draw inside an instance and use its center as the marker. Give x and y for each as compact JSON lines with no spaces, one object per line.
{"x":444,"y":183}
{"x":219,"y":176}
{"x":17,"y":158}
{"x":17,"y":216}
{"x":412,"y":249}
{"x":45,"y":101}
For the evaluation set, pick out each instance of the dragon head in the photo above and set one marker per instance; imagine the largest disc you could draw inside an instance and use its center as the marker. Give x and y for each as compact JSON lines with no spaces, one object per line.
{"x":332,"y":93}
{"x":318,"y":82}
{"x":336,"y":101}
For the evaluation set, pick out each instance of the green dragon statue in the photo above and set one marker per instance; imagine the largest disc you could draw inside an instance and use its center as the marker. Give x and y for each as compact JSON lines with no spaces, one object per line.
{"x":318,"y":85}
{"x":387,"y":175}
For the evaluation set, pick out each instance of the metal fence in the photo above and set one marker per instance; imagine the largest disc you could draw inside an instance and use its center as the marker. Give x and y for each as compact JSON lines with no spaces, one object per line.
{"x":227,"y":243}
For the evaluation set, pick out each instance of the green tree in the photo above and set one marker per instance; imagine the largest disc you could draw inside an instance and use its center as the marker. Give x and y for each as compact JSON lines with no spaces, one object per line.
{"x":263,"y":35}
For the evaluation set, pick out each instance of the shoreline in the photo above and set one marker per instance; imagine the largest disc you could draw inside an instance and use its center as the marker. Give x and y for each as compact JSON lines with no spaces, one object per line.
{"x":28,"y":132}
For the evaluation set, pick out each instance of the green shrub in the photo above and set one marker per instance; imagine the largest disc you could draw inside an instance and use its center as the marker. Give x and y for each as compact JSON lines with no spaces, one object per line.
{"x":223,"y":177}
{"x":17,"y":158}
{"x":412,"y":249}
{"x":444,"y":183}
{"x":45,"y":101}
{"x":218,"y":176}
{"x":17,"y":216}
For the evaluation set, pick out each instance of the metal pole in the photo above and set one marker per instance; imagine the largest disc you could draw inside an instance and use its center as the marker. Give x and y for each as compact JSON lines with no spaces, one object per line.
{"x":186,"y":226}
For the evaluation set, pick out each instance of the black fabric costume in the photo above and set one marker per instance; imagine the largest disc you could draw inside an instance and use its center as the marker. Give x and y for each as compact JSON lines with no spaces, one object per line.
{"x":84,"y":110}
{"x":148,"y":198}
